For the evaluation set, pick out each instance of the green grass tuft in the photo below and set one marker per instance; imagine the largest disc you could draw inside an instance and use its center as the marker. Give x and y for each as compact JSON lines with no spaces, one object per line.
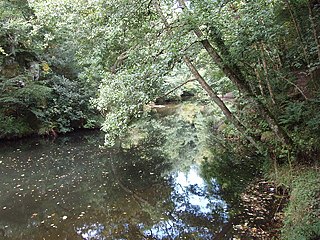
{"x":302,"y":215}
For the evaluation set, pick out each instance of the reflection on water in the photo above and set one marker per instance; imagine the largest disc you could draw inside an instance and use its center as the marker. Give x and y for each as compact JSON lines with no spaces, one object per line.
{"x":71,"y":189}
{"x":189,"y":197}
{"x":93,"y":231}
{"x":194,"y":189}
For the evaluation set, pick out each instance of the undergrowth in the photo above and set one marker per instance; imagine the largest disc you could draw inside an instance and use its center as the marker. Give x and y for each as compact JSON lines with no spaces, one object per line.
{"x":302,"y":215}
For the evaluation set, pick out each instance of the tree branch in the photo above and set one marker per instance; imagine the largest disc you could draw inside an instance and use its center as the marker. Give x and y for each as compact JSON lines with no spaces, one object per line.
{"x":119,"y":62}
{"x":180,"y":85}
{"x":296,"y":86}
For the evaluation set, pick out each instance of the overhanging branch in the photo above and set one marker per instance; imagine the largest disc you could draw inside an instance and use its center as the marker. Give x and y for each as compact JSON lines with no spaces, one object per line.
{"x":179,"y":86}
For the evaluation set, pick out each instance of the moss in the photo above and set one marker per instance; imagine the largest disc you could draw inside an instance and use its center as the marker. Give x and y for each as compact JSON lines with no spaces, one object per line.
{"x":302,"y":215}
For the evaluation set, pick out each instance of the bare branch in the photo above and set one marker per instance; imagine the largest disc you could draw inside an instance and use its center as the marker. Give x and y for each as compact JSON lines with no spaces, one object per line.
{"x":179,"y":86}
{"x":296,"y":86}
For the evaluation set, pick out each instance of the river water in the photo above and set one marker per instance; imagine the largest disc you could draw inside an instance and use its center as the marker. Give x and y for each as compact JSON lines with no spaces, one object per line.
{"x":72,"y":188}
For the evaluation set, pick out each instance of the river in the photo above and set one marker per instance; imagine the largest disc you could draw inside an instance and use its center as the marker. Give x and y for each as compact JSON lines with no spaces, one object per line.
{"x":72,"y":188}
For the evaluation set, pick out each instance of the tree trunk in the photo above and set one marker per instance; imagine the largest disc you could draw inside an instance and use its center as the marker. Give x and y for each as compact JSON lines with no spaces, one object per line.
{"x":233,"y":72}
{"x":298,"y":30}
{"x":256,"y":71}
{"x":230,"y":117}
{"x":175,"y":88}
{"x":265,"y":68}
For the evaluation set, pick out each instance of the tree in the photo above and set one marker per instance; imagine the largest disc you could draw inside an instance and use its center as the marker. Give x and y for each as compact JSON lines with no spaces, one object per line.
{"x":40,"y":89}
{"x":131,"y":48}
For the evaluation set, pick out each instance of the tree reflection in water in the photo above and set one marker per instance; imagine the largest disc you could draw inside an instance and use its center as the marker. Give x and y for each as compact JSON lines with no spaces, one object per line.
{"x":71,"y":189}
{"x":185,"y":212}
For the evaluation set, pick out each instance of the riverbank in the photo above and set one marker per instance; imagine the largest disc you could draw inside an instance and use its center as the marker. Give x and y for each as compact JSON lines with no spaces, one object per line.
{"x":262,"y":217}
{"x":286,"y":207}
{"x":302,"y":213}
{"x":50,"y":134}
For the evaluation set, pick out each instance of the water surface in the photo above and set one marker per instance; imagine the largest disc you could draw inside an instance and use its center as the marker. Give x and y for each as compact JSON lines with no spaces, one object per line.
{"x":70,"y":188}
{"x":148,"y":187}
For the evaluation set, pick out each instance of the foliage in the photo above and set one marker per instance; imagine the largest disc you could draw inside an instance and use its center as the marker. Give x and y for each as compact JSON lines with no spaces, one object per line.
{"x":54,"y":102}
{"x":302,"y":214}
{"x":121,"y":100}
{"x":93,"y":42}
{"x":118,"y":56}
{"x":10,"y":126}
{"x":21,"y":107}
{"x":69,"y":105}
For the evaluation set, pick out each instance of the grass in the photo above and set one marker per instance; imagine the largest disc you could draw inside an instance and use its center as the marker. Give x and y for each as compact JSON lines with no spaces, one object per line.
{"x":302,"y":215}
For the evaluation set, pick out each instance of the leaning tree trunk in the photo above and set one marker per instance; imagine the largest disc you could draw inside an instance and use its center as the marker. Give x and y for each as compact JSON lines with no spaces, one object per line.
{"x":220,"y":103}
{"x":227,"y":113}
{"x":234,"y":73}
{"x":265,"y":68}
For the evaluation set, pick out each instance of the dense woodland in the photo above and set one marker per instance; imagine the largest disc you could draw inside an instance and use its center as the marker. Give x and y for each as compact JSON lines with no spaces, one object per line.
{"x":68,"y":64}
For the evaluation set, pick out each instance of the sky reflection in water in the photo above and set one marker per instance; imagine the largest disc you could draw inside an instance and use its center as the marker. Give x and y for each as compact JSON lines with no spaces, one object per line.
{"x":189,"y":195}
{"x":199,"y":204}
{"x":71,"y":189}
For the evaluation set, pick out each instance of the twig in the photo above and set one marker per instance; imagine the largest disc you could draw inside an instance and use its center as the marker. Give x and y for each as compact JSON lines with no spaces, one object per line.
{"x":296,"y":86}
{"x":190,"y":45}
